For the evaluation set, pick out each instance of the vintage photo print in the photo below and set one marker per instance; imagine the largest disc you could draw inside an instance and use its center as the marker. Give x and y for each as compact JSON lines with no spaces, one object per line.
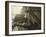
{"x":25,"y":18}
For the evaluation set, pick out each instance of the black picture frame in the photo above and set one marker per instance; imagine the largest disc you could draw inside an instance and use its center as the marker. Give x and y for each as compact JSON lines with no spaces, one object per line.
{"x":7,"y":17}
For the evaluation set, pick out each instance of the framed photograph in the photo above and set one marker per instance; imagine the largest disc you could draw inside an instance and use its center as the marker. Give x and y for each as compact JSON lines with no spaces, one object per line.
{"x":24,"y":18}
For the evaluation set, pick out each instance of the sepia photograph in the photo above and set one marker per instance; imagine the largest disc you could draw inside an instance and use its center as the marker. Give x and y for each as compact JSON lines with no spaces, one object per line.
{"x":24,"y":18}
